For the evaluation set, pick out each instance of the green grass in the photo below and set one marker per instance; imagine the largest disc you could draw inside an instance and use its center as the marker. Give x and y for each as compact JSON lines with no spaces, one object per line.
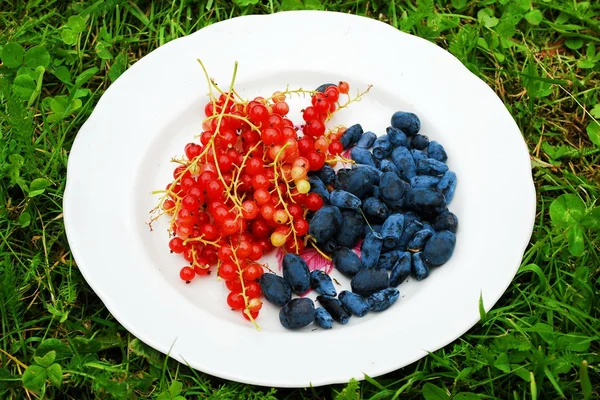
{"x":540,"y":341}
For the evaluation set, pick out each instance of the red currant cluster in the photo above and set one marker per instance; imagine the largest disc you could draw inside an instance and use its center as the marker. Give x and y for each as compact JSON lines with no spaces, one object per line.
{"x":243,"y":190}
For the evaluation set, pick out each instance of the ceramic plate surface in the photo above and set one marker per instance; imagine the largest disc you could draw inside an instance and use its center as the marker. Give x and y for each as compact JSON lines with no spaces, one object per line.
{"x":145,"y":118}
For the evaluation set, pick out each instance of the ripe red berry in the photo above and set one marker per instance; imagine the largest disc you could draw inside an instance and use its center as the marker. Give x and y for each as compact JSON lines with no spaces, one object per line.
{"x":252,"y":272}
{"x":187,"y":274}
{"x":310,"y":113}
{"x":228,"y":271}
{"x":301,"y":226}
{"x":332,"y":94}
{"x":235,"y":300}
{"x":176,"y":245}
{"x":253,"y":290}
{"x":336,"y":147}
{"x":234,"y":285}
{"x":343,"y":87}
{"x":192,"y":150}
{"x":313,"y":202}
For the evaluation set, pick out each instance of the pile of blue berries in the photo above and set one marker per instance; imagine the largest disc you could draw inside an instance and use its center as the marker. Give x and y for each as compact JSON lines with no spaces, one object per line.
{"x":395,"y":199}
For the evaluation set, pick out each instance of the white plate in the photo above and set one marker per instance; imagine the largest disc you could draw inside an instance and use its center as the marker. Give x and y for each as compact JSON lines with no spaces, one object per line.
{"x":122,"y":153}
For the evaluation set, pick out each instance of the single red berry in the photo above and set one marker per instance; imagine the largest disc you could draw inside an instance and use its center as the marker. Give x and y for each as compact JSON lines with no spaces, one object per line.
{"x":313,"y":202}
{"x":253,"y":290}
{"x":281,"y":108}
{"x":256,"y":253}
{"x":192,"y":150}
{"x":255,"y":166}
{"x":310,"y":113}
{"x":235,"y":300}
{"x":228,"y":271}
{"x":252,"y":272}
{"x":316,"y":160}
{"x":336,"y":147}
{"x":190,"y":202}
{"x":343,"y":87}
{"x":234,"y":285}
{"x":260,"y":229}
{"x":244,"y":249}
{"x":332,"y":94}
{"x":187,"y":274}
{"x":176,"y":245}
{"x":275,"y":121}
{"x":301,"y":226}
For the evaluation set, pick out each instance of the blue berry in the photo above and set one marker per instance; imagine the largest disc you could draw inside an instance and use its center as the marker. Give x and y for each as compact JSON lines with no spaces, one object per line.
{"x":420,"y":266}
{"x":375,"y":210}
{"x":387,"y":166}
{"x":401,"y":270}
{"x":431,"y":166}
{"x":322,"y":283}
{"x":425,"y":200}
{"x":393,"y":189}
{"x":326,"y":175}
{"x":397,"y":137}
{"x":354,"y":303}
{"x":358,"y":181}
{"x":388,"y":260}
{"x":410,"y":229}
{"x":325,"y":223}
{"x":370,"y":249}
{"x":407,"y":122}
{"x":405,"y":162}
{"x":351,"y":135}
{"x":363,"y":156}
{"x":297,"y":313}
{"x":382,"y":147}
{"x":436,"y":151}
{"x":323,"y":319}
{"x":343,"y":199}
{"x":369,"y":281}
{"x":366,"y":140}
{"x":424,"y":181}
{"x":296,"y":273}
{"x":418,"y":155}
{"x":392,"y":229}
{"x":276,"y":289}
{"x":334,"y":308}
{"x":347,"y":262}
{"x":446,"y":221}
{"x":382,"y":300}
{"x":419,"y":240}
{"x":351,"y":228}
{"x":447,"y":185}
{"x":419,"y":142}
{"x":440,"y":247}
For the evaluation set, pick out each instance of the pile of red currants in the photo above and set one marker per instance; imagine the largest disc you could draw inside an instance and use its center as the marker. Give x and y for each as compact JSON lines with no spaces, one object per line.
{"x":242,"y":189}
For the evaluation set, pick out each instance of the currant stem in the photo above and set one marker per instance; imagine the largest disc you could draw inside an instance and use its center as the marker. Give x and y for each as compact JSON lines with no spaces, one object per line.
{"x":313,"y":243}
{"x":350,"y":101}
{"x":285,"y":208}
{"x":241,"y":278}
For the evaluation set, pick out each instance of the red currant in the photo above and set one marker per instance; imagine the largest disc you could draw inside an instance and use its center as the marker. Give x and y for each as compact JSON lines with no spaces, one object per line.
{"x":228,"y":271}
{"x":253,"y":290}
{"x":343,"y":87}
{"x":176,"y":245}
{"x":252,"y":272}
{"x":313,"y":202}
{"x":235,"y":300}
{"x":187,"y":274}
